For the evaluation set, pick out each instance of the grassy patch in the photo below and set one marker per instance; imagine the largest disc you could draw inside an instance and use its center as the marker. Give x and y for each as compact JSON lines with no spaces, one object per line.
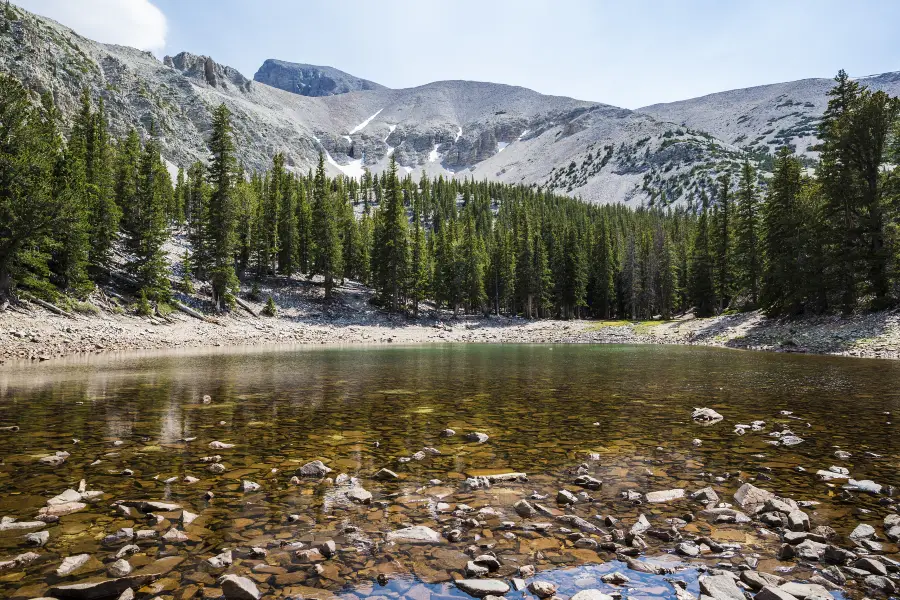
{"x":85,"y":308}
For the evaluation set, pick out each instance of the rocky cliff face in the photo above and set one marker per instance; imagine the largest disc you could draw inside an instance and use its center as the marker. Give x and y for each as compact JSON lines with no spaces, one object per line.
{"x":450,"y":128}
{"x":310,"y":80}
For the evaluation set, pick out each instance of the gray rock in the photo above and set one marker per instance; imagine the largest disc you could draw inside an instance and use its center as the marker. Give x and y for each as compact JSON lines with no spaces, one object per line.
{"x":665,"y":495}
{"x":119,"y":568}
{"x":706,"y":415}
{"x":386,"y":475}
{"x":706,"y":495}
{"x":802,"y":591}
{"x":798,"y":521}
{"x":588,"y":482}
{"x":475,"y":570}
{"x":810,"y":550}
{"x":221,"y":560}
{"x":615,"y":578}
{"x":750,"y":497}
{"x":720,"y":587}
{"x":757,"y":580}
{"x":880,"y":583}
{"x":238,"y":588}
{"x":70,"y":564}
{"x":315,"y":468}
{"x":640,"y":526}
{"x":486,"y":560}
{"x":863,"y":531}
{"x":773,"y":593}
{"x":838,"y":556}
{"x":360,"y":496}
{"x":448,"y":433}
{"x":591,"y":594}
{"x":480,"y":588}
{"x":542,"y":589}
{"x":249,"y":486}
{"x":864,"y":485}
{"x":524,"y":509}
{"x":37,"y":538}
{"x":476,"y":437}
{"x":689,"y":549}
{"x":566,"y":497}
{"x":871,"y":565}
{"x":417,"y":534}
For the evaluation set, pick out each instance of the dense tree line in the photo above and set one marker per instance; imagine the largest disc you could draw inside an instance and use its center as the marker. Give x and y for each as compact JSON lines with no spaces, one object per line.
{"x":796,"y":242}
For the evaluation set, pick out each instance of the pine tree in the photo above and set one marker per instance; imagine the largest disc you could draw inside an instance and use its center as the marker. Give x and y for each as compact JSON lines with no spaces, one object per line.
{"x":747,"y":247}
{"x":148,"y":222}
{"x":222,"y":226}
{"x":283,"y":192}
{"x":782,"y":244}
{"x":721,"y":224}
{"x":419,"y":264}
{"x":472,"y":263}
{"x":29,"y":211}
{"x":328,"y":252}
{"x":604,"y":278}
{"x":391,"y":238}
{"x":701,"y":267}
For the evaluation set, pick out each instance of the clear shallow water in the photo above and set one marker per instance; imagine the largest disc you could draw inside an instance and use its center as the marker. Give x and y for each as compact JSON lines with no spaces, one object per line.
{"x":545,"y":408}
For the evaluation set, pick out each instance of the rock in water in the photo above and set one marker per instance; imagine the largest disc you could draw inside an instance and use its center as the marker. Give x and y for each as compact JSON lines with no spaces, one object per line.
{"x":315,"y":468}
{"x":751,"y":497}
{"x":480,"y":588}
{"x":721,"y":587}
{"x":476,"y":437}
{"x":418,"y":534}
{"x":386,"y":475}
{"x":591,"y":595}
{"x":706,"y":416}
{"x":238,"y":588}
{"x":542,"y":589}
{"x":665,"y":495}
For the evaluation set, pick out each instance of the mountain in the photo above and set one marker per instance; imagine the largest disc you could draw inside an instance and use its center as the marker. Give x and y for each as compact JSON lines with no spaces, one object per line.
{"x":765,"y":116}
{"x":452,"y":128}
{"x":310,"y":80}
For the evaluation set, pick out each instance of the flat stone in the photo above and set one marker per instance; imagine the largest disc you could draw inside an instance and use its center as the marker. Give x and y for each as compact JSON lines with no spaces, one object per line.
{"x":802,"y":591}
{"x":773,"y":593}
{"x":721,"y":587}
{"x":706,"y":495}
{"x":70,"y":564}
{"x":477,"y":437}
{"x":871,"y":565}
{"x":706,"y":415}
{"x":757,"y":580}
{"x":386,"y":475}
{"x":417,"y":534}
{"x":480,"y":588}
{"x":665,"y":495}
{"x":360,"y":496}
{"x":591,"y":594}
{"x":863,"y":531}
{"x":12,"y":525}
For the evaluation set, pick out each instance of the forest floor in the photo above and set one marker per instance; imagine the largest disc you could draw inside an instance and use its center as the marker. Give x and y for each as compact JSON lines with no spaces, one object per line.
{"x":29,"y":332}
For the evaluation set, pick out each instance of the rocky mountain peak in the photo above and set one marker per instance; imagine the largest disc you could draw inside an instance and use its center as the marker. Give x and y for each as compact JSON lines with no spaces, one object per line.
{"x":310,"y":80}
{"x":205,"y":69}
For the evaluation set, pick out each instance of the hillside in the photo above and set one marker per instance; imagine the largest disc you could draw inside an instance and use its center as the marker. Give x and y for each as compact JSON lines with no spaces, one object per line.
{"x":457,"y":129}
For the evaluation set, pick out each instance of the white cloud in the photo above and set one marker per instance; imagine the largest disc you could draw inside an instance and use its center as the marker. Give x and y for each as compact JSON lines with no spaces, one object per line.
{"x":136,"y":23}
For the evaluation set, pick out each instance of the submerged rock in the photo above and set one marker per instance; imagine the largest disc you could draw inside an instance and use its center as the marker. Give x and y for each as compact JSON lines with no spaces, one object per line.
{"x":476,"y":437}
{"x":721,"y":587}
{"x":750,"y":497}
{"x":385,"y":475}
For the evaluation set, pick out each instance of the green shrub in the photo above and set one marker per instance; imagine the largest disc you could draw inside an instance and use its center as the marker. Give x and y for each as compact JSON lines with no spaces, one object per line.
{"x":143,"y":305}
{"x":85,"y":308}
{"x":270,"y":310}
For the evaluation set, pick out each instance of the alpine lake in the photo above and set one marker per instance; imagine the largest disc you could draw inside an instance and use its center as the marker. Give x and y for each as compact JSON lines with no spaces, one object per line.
{"x":165,"y":474}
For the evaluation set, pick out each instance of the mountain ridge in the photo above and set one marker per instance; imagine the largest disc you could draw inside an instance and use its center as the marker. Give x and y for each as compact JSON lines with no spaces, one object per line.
{"x":663,"y":153}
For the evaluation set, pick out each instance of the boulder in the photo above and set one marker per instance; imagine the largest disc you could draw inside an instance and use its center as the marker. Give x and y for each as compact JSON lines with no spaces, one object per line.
{"x":360,"y":496}
{"x":565,"y":497}
{"x":798,"y":521}
{"x":810,"y":550}
{"x":706,"y":495}
{"x":802,"y":591}
{"x":863,"y":531}
{"x":524,"y":509}
{"x":476,"y":437}
{"x":385,"y":475}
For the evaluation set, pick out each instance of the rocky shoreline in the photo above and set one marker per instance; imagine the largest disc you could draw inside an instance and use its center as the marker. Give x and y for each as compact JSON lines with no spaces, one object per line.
{"x":30,"y":332}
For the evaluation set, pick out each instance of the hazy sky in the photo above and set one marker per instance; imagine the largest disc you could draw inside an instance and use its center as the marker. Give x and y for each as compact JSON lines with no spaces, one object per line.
{"x":630,"y":53}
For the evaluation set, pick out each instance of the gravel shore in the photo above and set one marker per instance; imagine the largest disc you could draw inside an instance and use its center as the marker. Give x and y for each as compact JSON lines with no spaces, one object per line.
{"x":29,"y":332}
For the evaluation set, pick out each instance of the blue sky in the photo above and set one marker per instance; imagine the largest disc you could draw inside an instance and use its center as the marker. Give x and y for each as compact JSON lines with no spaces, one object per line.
{"x":628,"y":54}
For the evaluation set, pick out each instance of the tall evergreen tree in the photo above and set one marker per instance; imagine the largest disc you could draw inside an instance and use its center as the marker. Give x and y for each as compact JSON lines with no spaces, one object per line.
{"x":701,"y":266}
{"x":328,"y":251}
{"x":782,"y":243}
{"x":747,"y":247}
{"x":391,"y":238}
{"x":721,"y":223}
{"x":222,"y":210}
